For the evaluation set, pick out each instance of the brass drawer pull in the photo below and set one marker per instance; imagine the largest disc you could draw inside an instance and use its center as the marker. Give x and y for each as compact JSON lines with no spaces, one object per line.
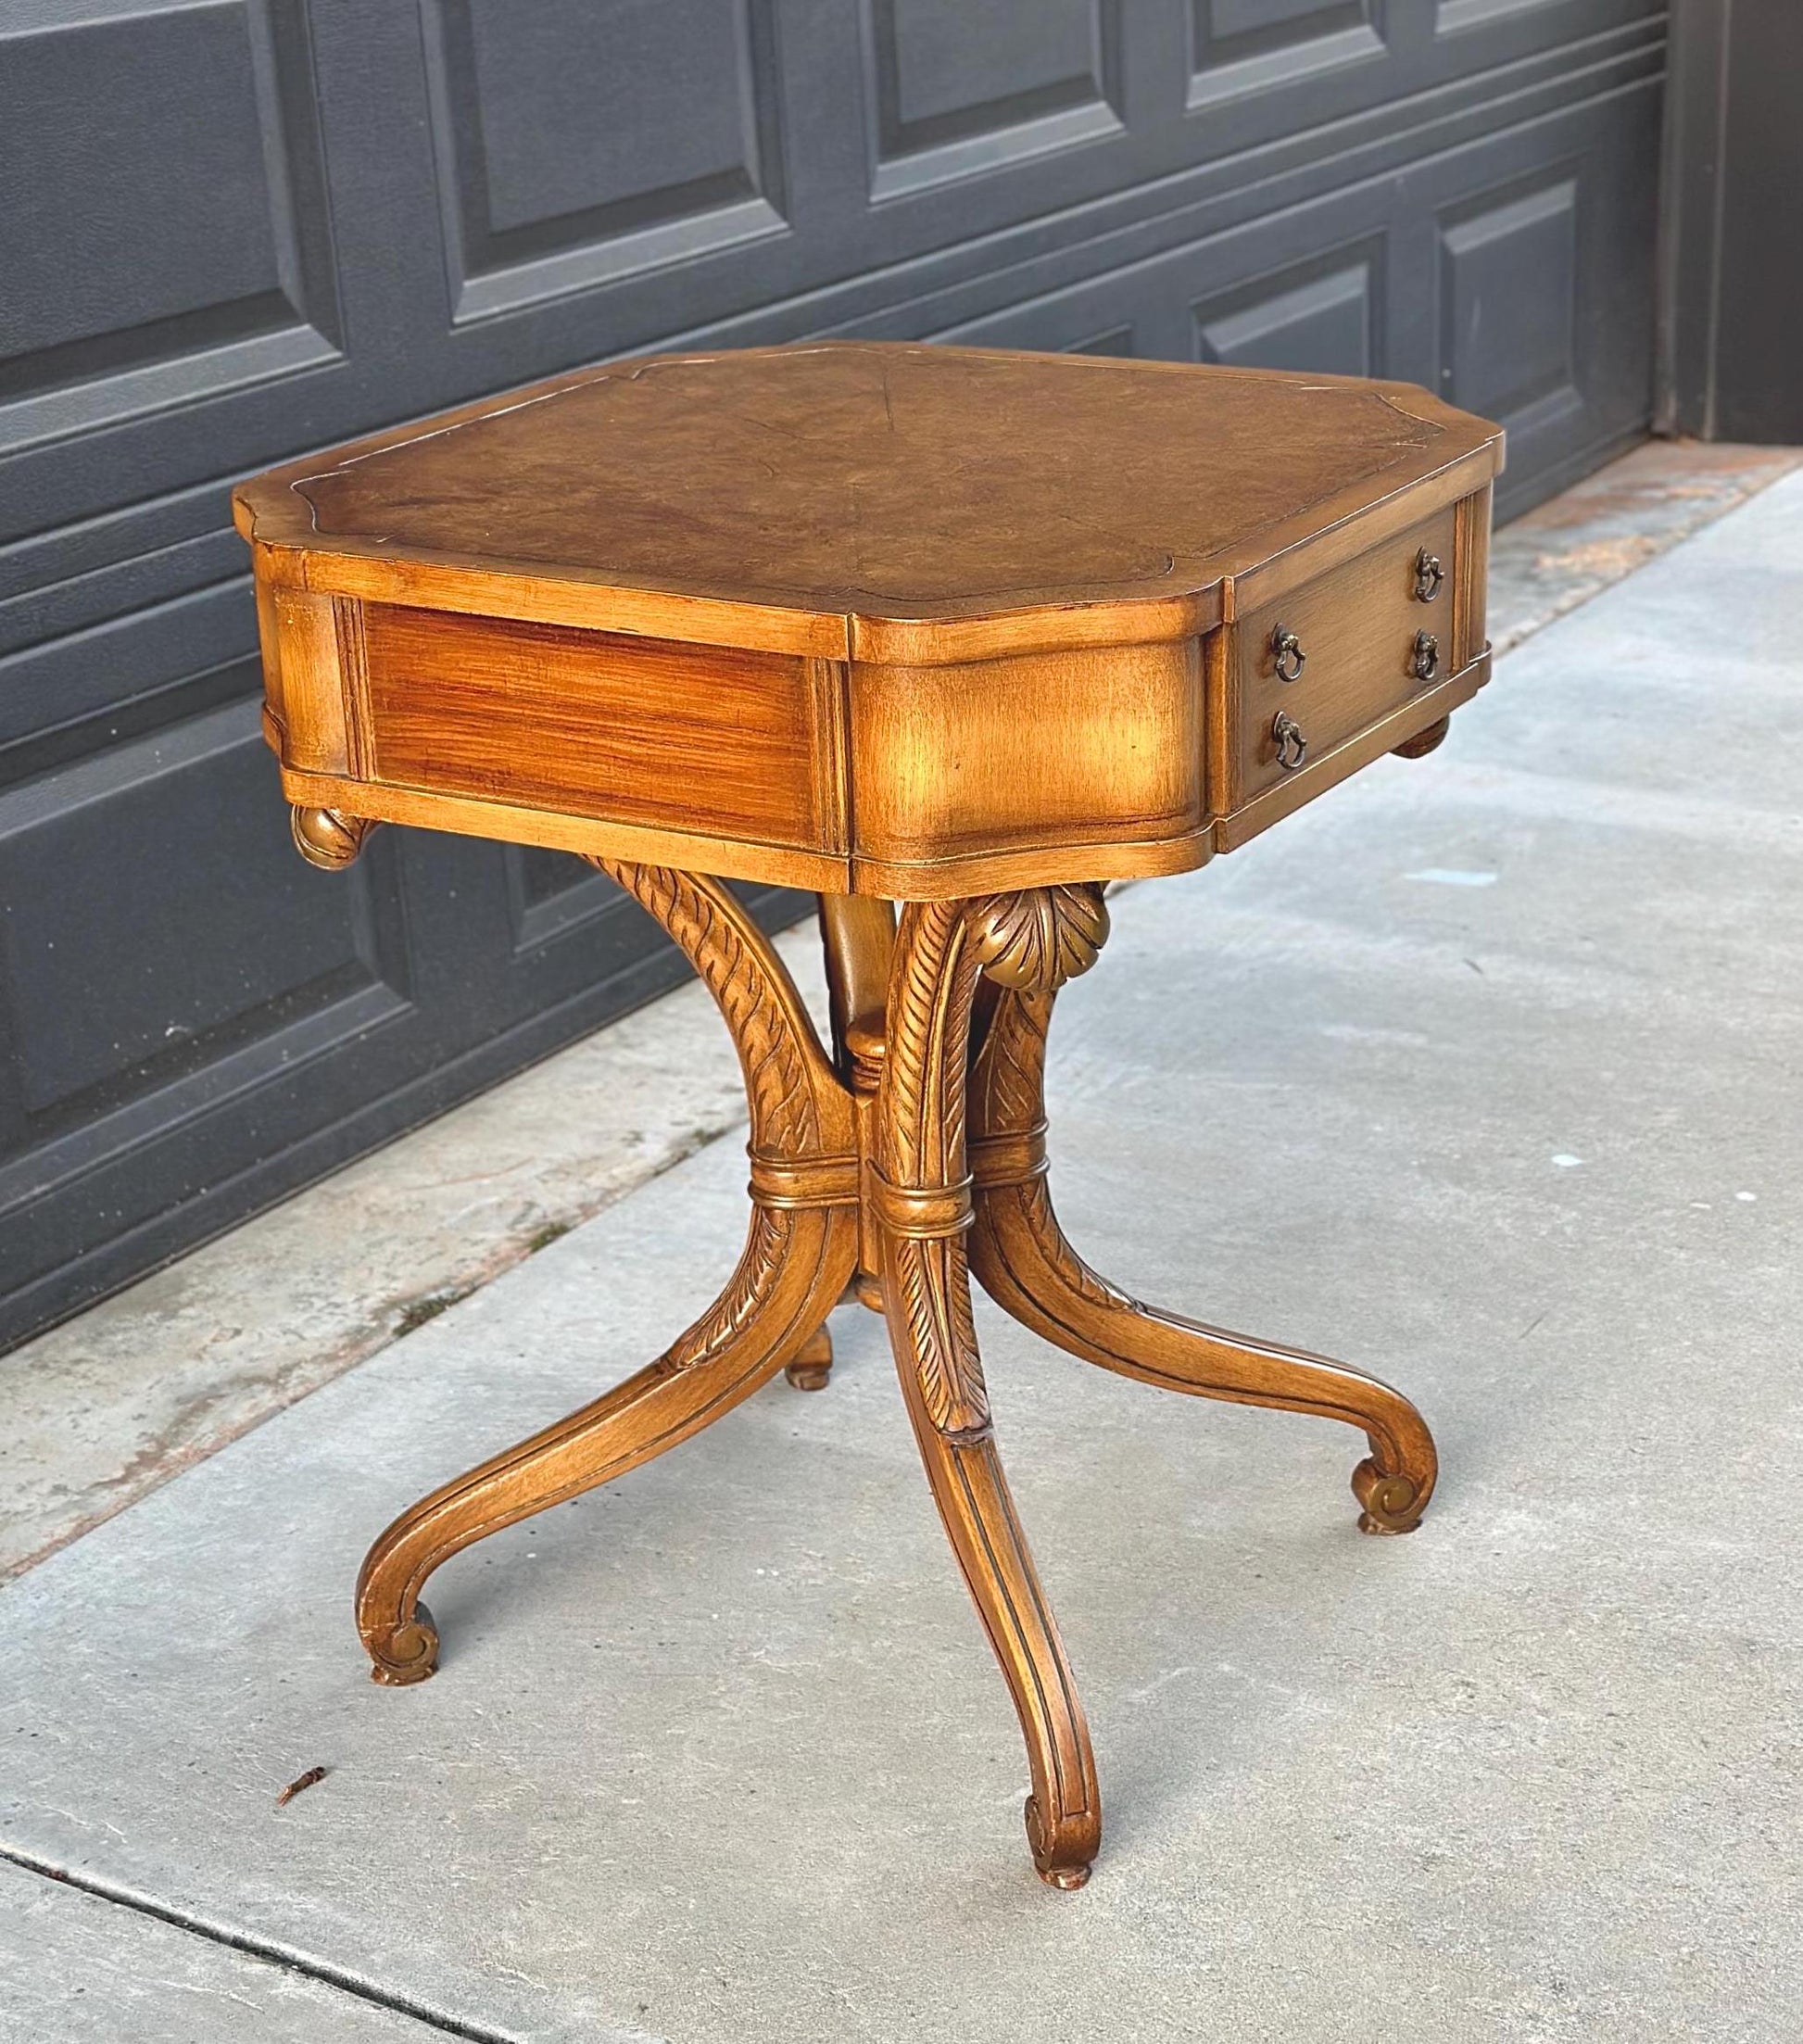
{"x":1424,"y":662}
{"x":1292,"y":747}
{"x":1429,"y":575}
{"x":1287,"y":655}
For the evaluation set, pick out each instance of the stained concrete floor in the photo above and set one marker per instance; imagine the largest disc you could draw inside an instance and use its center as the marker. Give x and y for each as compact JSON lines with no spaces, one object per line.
{"x":1482,"y":1072}
{"x":97,"y":1413}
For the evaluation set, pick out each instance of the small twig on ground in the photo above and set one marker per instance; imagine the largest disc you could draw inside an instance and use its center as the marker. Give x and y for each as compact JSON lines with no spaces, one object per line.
{"x":300,"y":1781}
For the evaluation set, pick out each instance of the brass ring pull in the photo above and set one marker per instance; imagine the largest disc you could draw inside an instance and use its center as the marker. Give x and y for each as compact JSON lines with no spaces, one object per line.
{"x":1287,"y":655}
{"x":1429,"y":575}
{"x":1292,"y":747}
{"x":1424,"y":662}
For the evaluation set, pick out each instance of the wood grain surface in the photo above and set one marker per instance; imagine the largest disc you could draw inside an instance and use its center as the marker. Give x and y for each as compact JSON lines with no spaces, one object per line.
{"x":918,"y":501}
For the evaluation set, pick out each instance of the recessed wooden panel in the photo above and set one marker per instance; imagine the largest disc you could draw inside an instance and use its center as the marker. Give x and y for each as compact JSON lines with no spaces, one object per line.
{"x":959,"y":89}
{"x":541,"y":876}
{"x":1236,"y":27}
{"x":1243,"y":47}
{"x":1508,"y":299}
{"x":612,"y":136}
{"x":1099,"y":316}
{"x":187,"y":218}
{"x":1451,"y":16}
{"x":1323,"y":315}
{"x":552,"y":894}
{"x":1061,"y":748}
{"x":640,"y":731}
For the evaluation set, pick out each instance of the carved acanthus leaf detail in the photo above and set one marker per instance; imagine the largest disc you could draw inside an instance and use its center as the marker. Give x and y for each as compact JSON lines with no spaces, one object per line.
{"x":1009,"y":1078}
{"x":766,"y":1249}
{"x":783,"y":1062}
{"x":935,"y":1298}
{"x":1039,"y":937}
{"x":921,"y":1149}
{"x":1034,"y":1204}
{"x":1010,"y":1100}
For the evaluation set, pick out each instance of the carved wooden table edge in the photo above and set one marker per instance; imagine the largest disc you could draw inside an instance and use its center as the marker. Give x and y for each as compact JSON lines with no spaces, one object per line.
{"x":889,"y":1165}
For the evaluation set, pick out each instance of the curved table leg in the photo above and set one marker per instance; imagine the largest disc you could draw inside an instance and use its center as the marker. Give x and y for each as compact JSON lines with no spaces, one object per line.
{"x":1020,"y":1254}
{"x":921,"y":1199}
{"x":799,"y":1254}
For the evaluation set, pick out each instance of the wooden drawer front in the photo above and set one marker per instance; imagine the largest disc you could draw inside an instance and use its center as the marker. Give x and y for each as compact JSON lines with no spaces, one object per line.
{"x":1357,"y":631}
{"x":600,"y":725}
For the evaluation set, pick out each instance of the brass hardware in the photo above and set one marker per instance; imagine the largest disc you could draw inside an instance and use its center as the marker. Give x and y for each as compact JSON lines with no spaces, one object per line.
{"x":1424,"y":660}
{"x":1429,"y":575}
{"x":1292,"y":747}
{"x":1287,"y":655}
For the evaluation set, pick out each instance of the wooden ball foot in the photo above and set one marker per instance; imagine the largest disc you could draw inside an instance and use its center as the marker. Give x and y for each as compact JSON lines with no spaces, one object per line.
{"x":813,"y":1365}
{"x":1423,"y":742}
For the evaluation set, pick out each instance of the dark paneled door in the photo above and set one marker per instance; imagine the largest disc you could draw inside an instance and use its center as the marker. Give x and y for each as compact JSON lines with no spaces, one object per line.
{"x":237,"y":229}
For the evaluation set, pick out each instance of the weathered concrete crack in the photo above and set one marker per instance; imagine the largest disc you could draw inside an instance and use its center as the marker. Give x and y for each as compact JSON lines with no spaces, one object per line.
{"x":265,"y":1950}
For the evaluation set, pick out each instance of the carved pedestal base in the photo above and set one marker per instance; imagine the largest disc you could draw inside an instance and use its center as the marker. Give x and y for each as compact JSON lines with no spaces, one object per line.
{"x":862,"y":1176}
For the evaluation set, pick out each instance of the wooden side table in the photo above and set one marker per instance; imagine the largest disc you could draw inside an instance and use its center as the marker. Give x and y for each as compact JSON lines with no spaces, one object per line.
{"x":968,"y":632}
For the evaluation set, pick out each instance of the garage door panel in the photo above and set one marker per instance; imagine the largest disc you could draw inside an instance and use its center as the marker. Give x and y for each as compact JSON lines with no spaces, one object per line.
{"x":578,"y":146}
{"x":183,"y":249}
{"x":1456,"y":192}
{"x":117,"y":982}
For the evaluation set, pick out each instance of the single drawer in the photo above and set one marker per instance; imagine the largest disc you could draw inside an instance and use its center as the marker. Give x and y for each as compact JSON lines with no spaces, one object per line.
{"x":1319,"y":664}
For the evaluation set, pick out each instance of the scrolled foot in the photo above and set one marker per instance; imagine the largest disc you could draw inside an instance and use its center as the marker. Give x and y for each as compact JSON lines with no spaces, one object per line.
{"x":813,"y":1365}
{"x":1019,"y":1252}
{"x":405,"y":1654}
{"x":1061,"y":1861}
{"x":1392,"y":1504}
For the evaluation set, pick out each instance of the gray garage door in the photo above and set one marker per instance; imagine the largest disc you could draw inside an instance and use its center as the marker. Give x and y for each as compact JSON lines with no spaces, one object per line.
{"x":232,"y":231}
